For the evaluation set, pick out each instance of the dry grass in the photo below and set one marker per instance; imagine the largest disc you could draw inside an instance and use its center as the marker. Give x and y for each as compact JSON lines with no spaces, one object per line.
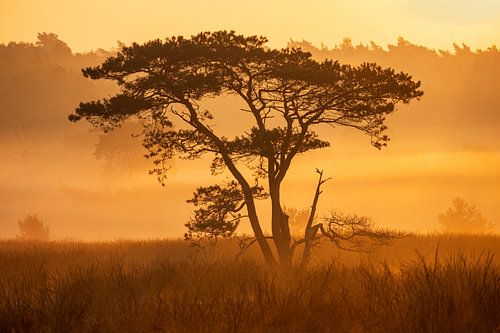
{"x":165,"y":286}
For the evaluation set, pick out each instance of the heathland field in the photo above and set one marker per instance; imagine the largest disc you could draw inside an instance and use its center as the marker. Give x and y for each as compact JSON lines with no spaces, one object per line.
{"x":422,"y":283}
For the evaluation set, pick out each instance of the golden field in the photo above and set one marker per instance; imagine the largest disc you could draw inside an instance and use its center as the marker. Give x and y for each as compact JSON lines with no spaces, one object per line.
{"x":422,"y":283}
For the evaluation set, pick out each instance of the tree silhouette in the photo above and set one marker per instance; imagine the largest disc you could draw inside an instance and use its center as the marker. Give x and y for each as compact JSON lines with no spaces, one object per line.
{"x":52,"y":43}
{"x":286,"y":93}
{"x":32,"y":228}
{"x":297,"y":219}
{"x":464,"y":217}
{"x":120,"y":150}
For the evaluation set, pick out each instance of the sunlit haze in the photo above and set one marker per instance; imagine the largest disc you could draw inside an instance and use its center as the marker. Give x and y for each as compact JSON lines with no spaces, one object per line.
{"x":250,"y":166}
{"x":87,"y":185}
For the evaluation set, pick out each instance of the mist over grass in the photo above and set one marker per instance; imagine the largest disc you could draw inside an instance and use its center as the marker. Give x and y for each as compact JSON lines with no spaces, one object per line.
{"x":423,"y":283}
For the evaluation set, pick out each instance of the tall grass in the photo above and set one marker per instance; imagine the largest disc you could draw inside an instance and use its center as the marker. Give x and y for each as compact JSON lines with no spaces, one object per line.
{"x":165,"y":286}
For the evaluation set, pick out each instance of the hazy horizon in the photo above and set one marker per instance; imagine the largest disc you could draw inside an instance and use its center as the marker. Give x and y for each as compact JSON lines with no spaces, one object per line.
{"x":439,"y":149}
{"x":91,"y":25}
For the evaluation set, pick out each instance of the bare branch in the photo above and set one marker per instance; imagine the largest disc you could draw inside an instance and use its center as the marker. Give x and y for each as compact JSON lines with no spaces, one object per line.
{"x":246,"y":242}
{"x":355,"y":233}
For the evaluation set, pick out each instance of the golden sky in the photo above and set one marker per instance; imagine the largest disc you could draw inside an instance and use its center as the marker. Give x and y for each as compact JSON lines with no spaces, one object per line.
{"x":92,"y":24}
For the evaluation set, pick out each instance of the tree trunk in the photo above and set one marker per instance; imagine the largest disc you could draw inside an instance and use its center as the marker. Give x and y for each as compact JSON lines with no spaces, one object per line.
{"x":311,"y":231}
{"x":259,"y":235}
{"x":280,"y":228}
{"x":308,"y":244}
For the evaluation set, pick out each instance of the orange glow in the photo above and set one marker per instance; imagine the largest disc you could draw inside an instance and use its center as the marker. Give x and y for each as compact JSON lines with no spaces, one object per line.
{"x":446,"y":145}
{"x":93,"y":24}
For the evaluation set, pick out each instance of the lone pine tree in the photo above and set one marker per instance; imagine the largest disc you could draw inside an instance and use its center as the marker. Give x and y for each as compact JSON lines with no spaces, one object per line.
{"x":287,"y":94}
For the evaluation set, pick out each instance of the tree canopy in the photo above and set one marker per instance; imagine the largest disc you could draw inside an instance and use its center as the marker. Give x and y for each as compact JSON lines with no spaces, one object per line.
{"x":287,"y":93}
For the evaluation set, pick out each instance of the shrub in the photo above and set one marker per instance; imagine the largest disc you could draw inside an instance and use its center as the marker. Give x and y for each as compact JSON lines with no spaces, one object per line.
{"x":32,"y":227}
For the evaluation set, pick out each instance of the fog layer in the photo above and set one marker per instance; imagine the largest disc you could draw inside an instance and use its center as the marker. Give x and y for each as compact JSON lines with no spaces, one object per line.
{"x":90,"y":185}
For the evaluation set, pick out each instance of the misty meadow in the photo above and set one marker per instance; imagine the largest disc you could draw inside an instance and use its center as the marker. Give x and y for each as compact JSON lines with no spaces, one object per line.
{"x":450,"y":285}
{"x":218,"y":181}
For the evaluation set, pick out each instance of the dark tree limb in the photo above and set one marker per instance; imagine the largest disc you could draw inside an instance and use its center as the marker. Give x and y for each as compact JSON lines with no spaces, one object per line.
{"x":310,"y":230}
{"x":356,"y":233}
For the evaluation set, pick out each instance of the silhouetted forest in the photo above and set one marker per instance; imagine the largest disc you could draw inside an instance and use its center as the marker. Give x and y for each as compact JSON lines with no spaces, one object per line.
{"x":461,"y":104}
{"x":57,"y":170}
{"x":40,"y":83}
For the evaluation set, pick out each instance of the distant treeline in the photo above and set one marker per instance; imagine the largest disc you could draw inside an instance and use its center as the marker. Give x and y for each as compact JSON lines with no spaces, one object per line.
{"x":461,"y":103}
{"x":49,"y":164}
{"x":41,"y":83}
